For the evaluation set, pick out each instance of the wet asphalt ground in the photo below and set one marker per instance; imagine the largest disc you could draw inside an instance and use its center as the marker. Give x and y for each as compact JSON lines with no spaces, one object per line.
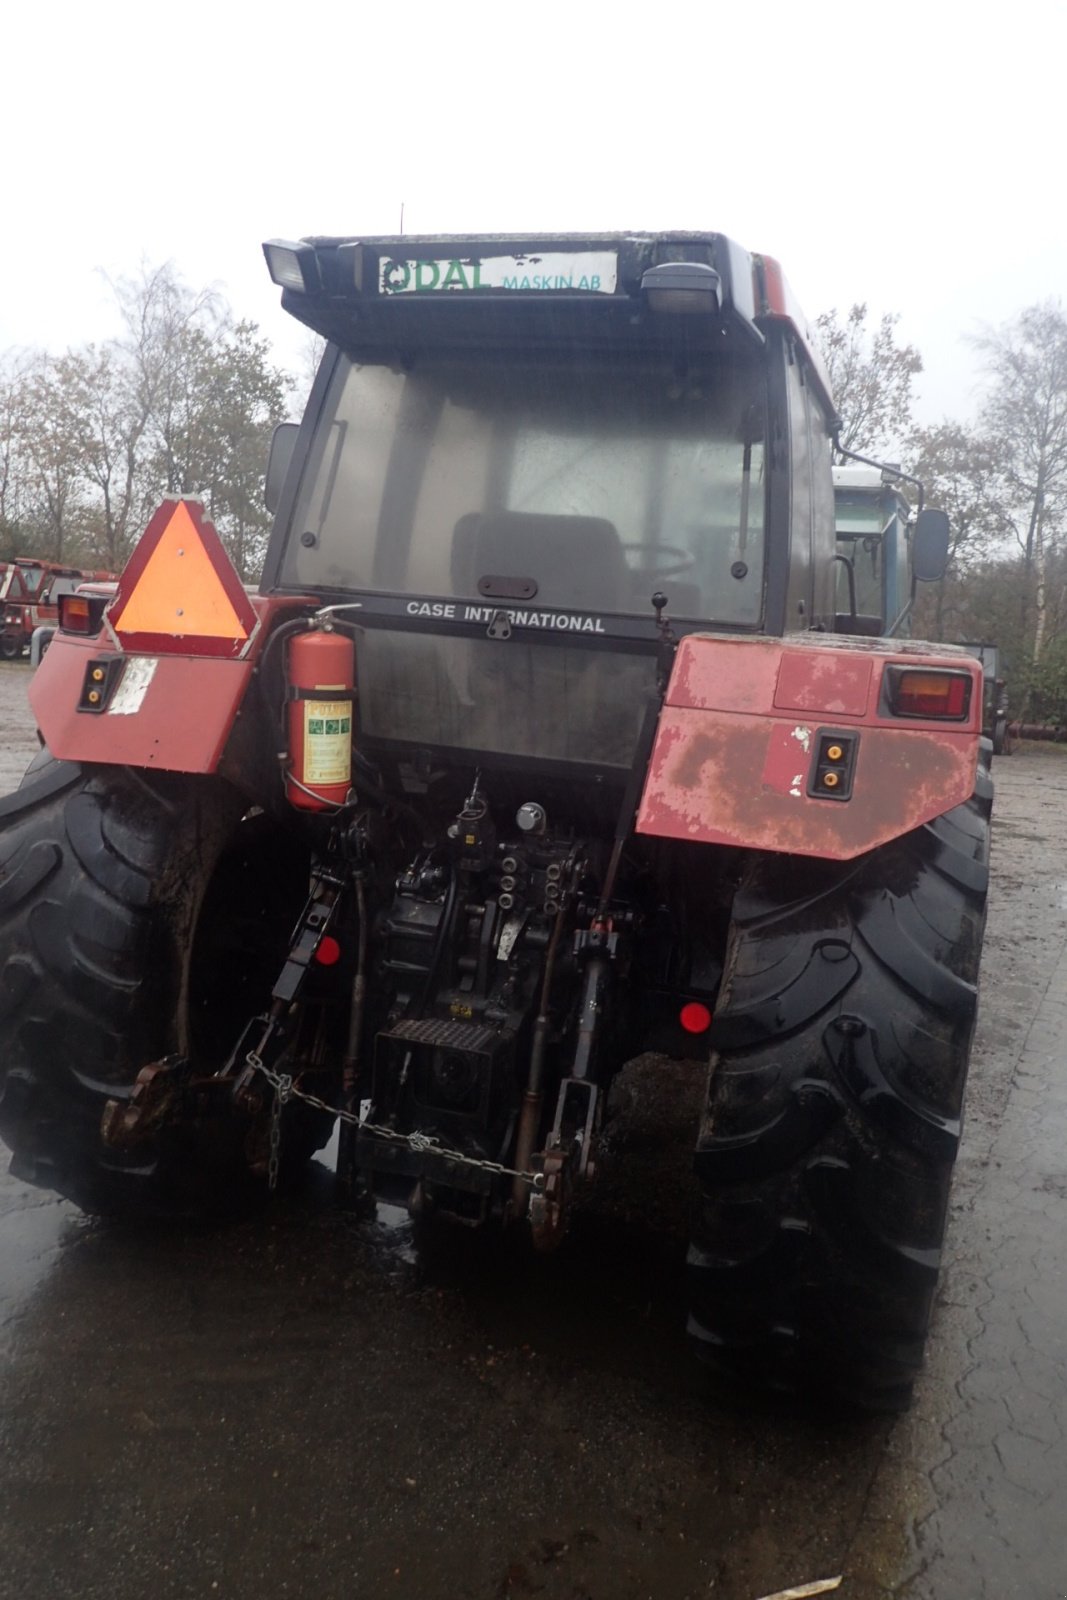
{"x":300,"y":1404}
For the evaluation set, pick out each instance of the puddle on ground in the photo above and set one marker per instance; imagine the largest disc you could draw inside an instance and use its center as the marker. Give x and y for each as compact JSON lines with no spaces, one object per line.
{"x":327,"y":1156}
{"x":392,"y":1224}
{"x":32,"y":1230}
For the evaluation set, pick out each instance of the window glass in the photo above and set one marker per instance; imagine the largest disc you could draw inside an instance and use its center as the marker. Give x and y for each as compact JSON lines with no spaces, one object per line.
{"x":867,"y":556}
{"x":872,"y":532}
{"x":898,"y":572}
{"x":799,"y":592}
{"x":822,"y":509}
{"x":600,"y":483}
{"x":29,"y":578}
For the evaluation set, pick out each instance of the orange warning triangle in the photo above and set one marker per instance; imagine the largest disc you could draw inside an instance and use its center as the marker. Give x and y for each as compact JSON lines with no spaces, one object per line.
{"x":180,"y":589}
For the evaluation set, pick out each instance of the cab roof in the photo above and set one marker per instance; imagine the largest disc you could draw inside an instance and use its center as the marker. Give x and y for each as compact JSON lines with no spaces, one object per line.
{"x":380,"y":292}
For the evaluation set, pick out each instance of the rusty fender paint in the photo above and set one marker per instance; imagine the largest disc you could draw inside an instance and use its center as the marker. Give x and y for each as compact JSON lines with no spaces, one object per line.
{"x":170,"y":711}
{"x":736,"y":745}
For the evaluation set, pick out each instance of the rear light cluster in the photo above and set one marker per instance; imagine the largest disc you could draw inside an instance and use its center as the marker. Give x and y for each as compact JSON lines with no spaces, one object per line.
{"x":931,"y":692}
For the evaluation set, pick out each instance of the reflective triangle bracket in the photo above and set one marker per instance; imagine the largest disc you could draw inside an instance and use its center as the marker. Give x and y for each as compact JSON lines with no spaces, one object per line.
{"x":179,"y":592}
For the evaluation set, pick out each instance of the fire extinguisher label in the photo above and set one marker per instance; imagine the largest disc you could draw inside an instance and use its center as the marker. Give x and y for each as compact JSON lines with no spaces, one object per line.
{"x":327,"y":741}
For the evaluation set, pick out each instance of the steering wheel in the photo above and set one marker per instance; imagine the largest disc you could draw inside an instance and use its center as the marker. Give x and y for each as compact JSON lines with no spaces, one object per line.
{"x":667,"y":560}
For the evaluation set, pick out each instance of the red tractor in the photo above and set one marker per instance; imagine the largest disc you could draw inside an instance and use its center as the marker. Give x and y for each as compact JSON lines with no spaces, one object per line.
{"x":536,"y":749}
{"x":29,"y":597}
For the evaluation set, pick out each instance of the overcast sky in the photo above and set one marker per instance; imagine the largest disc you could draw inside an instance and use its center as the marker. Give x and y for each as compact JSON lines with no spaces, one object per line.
{"x":908,"y":155}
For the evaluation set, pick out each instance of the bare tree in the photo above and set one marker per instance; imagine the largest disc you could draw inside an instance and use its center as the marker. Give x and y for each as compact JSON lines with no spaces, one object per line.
{"x":240,"y":397}
{"x":50,"y":446}
{"x":870,"y":378}
{"x":311,"y":351}
{"x":110,"y":420}
{"x":1026,"y":412}
{"x":13,"y":487}
{"x":962,"y":471}
{"x":182,"y":401}
{"x":166,"y":324}
{"x":205,"y":397}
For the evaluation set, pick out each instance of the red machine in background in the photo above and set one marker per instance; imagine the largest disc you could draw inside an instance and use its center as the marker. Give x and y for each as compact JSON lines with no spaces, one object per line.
{"x":29,"y":591}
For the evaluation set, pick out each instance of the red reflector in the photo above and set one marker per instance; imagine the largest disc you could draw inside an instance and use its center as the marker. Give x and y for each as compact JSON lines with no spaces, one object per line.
{"x":328,"y":953}
{"x":694,"y":1017}
{"x":915,"y":693}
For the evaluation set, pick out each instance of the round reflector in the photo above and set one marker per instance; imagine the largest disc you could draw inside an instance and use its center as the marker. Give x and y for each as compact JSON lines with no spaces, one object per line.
{"x":694,"y":1017}
{"x":328,"y":953}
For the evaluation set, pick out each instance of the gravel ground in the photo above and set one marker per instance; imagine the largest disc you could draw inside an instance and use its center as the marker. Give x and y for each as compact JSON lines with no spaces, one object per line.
{"x":301,"y":1404}
{"x":18,"y":741}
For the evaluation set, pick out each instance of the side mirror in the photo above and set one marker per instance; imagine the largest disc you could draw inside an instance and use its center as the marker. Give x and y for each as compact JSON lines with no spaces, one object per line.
{"x":929,"y":546}
{"x":282,"y":445}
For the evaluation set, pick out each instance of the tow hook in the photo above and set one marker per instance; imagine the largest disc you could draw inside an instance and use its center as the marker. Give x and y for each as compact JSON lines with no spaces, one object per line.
{"x":166,"y":1094}
{"x":156,"y":1097}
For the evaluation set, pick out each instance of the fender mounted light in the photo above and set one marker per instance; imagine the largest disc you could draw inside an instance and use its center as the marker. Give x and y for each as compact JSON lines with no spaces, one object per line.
{"x":930,"y":692}
{"x":81,"y":613}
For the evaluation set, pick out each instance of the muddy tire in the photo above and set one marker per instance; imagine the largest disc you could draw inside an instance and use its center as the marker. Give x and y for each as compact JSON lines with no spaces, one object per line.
{"x":141,"y":915}
{"x":834,"y":1111}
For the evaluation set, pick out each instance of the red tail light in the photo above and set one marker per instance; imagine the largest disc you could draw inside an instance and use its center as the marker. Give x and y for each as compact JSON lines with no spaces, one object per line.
{"x":928,"y":692}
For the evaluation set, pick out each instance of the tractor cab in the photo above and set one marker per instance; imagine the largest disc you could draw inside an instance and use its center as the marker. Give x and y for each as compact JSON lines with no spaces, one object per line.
{"x":873,"y":521}
{"x":994,"y":695}
{"x":572,"y":443}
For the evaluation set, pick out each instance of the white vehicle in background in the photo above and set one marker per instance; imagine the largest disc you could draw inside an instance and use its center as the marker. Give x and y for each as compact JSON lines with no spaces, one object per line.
{"x":874,"y":578}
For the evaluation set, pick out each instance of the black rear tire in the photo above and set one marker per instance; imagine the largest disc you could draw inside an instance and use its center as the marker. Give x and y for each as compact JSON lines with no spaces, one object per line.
{"x":834,"y":1112}
{"x":141,"y":915}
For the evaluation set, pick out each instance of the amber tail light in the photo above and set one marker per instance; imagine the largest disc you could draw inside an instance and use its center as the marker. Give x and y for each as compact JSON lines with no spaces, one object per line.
{"x":931,"y":692}
{"x":81,"y":613}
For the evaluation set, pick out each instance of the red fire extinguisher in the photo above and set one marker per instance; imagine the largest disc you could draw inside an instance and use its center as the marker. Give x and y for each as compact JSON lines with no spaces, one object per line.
{"x":321,"y":682}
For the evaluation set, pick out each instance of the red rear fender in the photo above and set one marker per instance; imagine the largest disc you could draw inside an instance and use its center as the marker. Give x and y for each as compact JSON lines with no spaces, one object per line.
{"x":736,"y":755}
{"x":171,"y":711}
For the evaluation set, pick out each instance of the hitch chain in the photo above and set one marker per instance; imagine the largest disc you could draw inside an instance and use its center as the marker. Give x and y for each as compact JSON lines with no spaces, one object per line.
{"x":285,"y":1089}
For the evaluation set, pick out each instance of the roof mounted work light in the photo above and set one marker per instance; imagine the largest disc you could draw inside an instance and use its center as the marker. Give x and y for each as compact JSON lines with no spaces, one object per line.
{"x":682,"y":287}
{"x":293,"y":266}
